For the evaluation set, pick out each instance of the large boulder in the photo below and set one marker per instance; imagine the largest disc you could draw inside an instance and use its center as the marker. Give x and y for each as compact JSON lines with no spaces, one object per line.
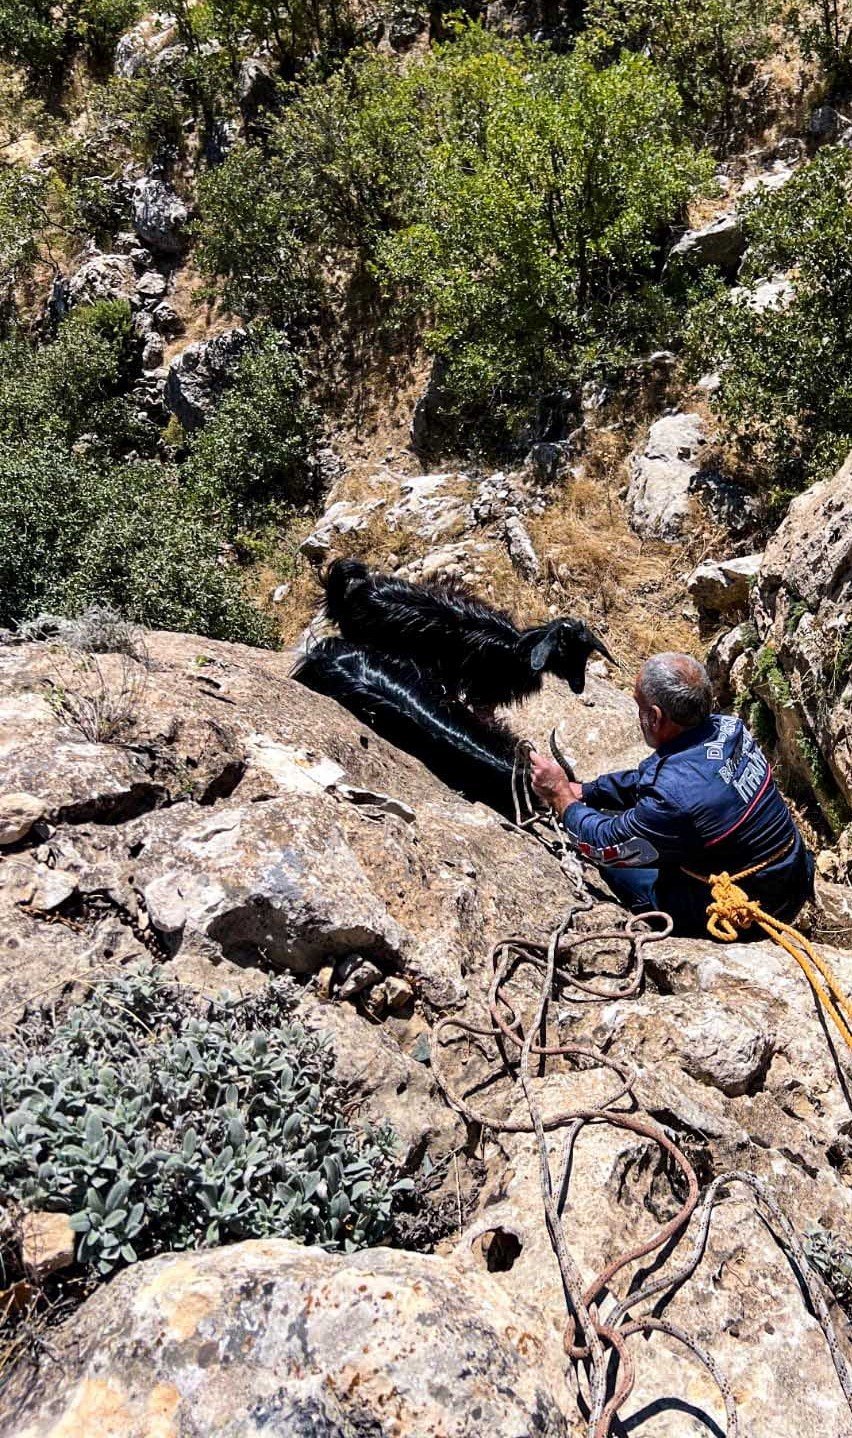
{"x":721,"y":586}
{"x":247,"y":825}
{"x":159,"y":215}
{"x":720,"y":244}
{"x":200,"y":374}
{"x":662,"y":476}
{"x":269,"y":1338}
{"x":103,"y":277}
{"x":802,"y":609}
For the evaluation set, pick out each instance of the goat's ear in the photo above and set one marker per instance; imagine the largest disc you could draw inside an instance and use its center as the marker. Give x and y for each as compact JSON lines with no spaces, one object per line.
{"x":542,"y":652}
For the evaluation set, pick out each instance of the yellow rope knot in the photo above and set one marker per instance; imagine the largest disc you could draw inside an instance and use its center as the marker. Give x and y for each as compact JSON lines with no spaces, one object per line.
{"x":731,"y":910}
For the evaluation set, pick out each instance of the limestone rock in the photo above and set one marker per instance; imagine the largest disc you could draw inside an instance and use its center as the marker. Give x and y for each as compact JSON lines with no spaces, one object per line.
{"x":138,"y":46}
{"x":47,"y":1242}
{"x":802,"y":609}
{"x":103,"y":277}
{"x":662,"y":474}
{"x":777,"y":293}
{"x":271,"y":1338}
{"x":164,"y":904}
{"x":720,"y":244}
{"x":774,"y":177}
{"x":151,"y":286}
{"x":159,"y":215}
{"x":44,"y":889}
{"x":339,"y":520}
{"x":520,"y":548}
{"x":717,"y":587}
{"x":354,"y":974}
{"x":723,"y":654}
{"x":18,"y":813}
{"x":726,"y":1050}
{"x":199,"y":376}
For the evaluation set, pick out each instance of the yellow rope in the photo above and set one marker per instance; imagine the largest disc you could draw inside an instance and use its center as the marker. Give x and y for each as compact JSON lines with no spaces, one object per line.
{"x":731,"y":911}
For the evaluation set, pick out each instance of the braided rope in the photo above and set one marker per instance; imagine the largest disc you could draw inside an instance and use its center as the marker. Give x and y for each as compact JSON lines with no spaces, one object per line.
{"x":595,"y":1343}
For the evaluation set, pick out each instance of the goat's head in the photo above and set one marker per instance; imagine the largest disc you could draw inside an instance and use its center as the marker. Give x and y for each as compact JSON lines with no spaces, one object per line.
{"x":564,"y":648}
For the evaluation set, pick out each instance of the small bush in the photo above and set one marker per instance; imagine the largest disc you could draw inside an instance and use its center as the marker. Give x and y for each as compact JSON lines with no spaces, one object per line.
{"x":709,"y":49}
{"x":259,"y":445}
{"x":124,"y":535}
{"x":159,"y":1122}
{"x":98,"y":630}
{"x":785,"y":396}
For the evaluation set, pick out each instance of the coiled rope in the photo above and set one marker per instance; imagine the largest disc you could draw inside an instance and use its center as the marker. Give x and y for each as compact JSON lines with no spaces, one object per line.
{"x":594,"y":1340}
{"x":731,"y":912}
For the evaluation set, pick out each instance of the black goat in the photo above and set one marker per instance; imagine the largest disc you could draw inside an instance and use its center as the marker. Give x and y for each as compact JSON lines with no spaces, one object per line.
{"x":476,"y":652}
{"x":409,"y":709}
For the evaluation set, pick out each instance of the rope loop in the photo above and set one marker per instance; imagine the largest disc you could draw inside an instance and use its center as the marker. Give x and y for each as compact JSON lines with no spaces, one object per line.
{"x":731,"y":910}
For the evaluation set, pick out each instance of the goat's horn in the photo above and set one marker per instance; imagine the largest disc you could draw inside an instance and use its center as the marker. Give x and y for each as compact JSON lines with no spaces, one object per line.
{"x":560,"y":758}
{"x":602,"y":649}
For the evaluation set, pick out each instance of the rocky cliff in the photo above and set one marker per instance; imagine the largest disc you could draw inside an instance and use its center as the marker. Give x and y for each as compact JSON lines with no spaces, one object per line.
{"x":241,"y":826}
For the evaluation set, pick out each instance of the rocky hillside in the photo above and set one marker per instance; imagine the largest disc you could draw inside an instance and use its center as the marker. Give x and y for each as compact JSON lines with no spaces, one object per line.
{"x":246,"y":827}
{"x":549,"y":300}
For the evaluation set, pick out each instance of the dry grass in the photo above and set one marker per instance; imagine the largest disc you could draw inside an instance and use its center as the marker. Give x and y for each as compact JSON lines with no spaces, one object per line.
{"x":594,"y":565}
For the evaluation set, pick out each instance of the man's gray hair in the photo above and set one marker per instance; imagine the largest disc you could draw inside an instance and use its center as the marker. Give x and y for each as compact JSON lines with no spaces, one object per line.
{"x":678,"y":685}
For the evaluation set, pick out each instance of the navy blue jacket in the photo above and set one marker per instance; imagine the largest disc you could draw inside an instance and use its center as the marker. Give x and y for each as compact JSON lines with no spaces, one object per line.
{"x":706,"y":801}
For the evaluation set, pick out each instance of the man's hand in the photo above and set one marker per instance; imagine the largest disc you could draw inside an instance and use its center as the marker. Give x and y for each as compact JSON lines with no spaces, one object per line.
{"x":551,"y":785}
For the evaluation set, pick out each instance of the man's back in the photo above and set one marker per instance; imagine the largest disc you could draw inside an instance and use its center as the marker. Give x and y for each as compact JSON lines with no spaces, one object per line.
{"x":704,"y":801}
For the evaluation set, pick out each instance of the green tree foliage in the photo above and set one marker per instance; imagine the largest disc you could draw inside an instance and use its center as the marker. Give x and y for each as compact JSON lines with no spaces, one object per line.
{"x":824,"y":31}
{"x":546,"y":186}
{"x":162,"y":1123}
{"x":514,"y":197}
{"x":786,"y":392}
{"x":337,"y":173}
{"x":258,"y":447}
{"x":78,"y":525}
{"x":43,"y":36}
{"x":23,"y":197}
{"x":708,"y":49}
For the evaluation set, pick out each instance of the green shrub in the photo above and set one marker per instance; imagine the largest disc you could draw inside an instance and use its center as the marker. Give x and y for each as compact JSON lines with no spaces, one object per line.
{"x":824,"y":32}
{"x":23,"y":197}
{"x":512,"y":197}
{"x":533,"y":240}
{"x":258,"y":446}
{"x":785,"y":397}
{"x":161,"y":1122}
{"x":708,"y":49}
{"x":76,"y":531}
{"x":66,"y":388}
{"x":43,"y":37}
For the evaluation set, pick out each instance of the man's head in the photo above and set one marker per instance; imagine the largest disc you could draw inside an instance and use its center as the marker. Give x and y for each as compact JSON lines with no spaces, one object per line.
{"x":673,"y":693}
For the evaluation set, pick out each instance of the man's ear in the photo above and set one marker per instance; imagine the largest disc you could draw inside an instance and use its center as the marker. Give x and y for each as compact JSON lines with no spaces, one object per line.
{"x":655,"y":716}
{"x":542,"y":652}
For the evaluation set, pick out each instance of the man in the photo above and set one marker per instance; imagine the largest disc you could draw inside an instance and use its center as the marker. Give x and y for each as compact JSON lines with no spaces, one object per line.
{"x":704,"y":800}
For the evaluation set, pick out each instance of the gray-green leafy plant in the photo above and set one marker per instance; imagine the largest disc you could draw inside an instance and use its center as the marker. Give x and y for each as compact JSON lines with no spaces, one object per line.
{"x":158,"y":1121}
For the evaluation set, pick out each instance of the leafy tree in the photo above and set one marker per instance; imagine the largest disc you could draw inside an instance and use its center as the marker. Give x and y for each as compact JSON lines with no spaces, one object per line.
{"x":258,"y":446}
{"x":43,"y":36}
{"x":824,"y":30}
{"x":546,"y":186}
{"x":707,"y":48}
{"x":513,"y":196}
{"x":77,"y":525}
{"x":786,"y":393}
{"x":335,"y":174}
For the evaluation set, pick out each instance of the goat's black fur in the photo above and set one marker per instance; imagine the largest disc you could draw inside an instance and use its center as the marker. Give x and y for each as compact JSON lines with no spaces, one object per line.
{"x":476,"y":652}
{"x":408,"y":708}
